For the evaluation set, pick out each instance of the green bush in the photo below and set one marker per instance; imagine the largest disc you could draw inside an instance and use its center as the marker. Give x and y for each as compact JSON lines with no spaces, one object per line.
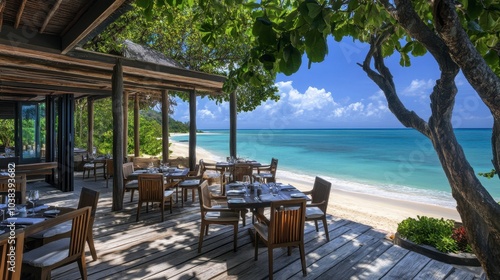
{"x":429,"y":231}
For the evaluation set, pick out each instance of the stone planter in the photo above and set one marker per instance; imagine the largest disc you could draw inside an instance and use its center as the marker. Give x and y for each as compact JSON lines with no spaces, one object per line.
{"x":466,"y":259}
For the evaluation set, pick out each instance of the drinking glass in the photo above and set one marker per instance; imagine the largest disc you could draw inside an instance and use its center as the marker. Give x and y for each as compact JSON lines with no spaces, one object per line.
{"x":246,"y":184}
{"x":33,"y":197}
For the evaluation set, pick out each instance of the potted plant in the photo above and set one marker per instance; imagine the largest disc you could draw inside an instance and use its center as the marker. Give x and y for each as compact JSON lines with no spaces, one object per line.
{"x":440,"y":239}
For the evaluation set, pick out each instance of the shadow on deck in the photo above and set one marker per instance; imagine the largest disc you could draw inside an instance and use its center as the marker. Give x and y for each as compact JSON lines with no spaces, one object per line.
{"x":150,"y":249}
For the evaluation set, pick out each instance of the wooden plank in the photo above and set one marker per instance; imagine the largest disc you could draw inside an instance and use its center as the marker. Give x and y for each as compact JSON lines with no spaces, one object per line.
{"x":434,"y":270}
{"x":408,"y":267}
{"x":379,"y":267}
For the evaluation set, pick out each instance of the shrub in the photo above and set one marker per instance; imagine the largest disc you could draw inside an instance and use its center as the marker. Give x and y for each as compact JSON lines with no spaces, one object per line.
{"x":430,"y":231}
{"x":460,"y":236}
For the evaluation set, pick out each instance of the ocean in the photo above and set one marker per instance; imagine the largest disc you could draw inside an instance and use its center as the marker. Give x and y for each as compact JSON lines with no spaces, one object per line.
{"x":392,"y":163}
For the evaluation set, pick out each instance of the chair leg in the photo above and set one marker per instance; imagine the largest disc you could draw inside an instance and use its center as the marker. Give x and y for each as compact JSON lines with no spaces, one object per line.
{"x":316,"y":223}
{"x":162,"y":206}
{"x":83,"y":267}
{"x":325,"y":226}
{"x":139,"y":205}
{"x":200,"y":240}
{"x":235,"y":237}
{"x":256,"y":246}
{"x":270,"y":257}
{"x":243,"y":217}
{"x":90,"y":242}
{"x":132,"y":195}
{"x":303,"y":259}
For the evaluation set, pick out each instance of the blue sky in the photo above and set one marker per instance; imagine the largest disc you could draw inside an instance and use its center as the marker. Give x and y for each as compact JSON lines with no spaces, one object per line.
{"x":336,"y":93}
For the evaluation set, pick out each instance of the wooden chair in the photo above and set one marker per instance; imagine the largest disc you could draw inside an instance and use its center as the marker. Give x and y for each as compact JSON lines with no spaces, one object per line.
{"x":316,"y":210}
{"x":129,"y":185}
{"x":20,"y":184}
{"x":285,"y":228}
{"x":11,"y":270}
{"x":89,"y":198}
{"x":41,"y":261}
{"x":215,"y":215}
{"x":110,"y":171}
{"x":267,"y":172}
{"x":242,"y":169}
{"x":192,"y":182}
{"x":151,"y":189}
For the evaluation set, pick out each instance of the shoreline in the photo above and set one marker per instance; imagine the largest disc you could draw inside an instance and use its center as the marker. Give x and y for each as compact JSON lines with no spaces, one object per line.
{"x":378,"y":212}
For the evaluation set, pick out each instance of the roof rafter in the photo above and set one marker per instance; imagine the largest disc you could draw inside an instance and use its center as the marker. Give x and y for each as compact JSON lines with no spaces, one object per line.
{"x":20,"y":14}
{"x":50,"y":15}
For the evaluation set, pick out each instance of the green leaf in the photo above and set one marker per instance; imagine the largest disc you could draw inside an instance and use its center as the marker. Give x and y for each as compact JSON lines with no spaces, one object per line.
{"x":314,"y":9}
{"x":316,"y":47}
{"x":291,"y":60}
{"x":418,"y":49}
{"x":491,"y":58}
{"x":405,"y":60}
{"x":263,"y":29}
{"x":474,"y":9}
{"x":144,"y":3}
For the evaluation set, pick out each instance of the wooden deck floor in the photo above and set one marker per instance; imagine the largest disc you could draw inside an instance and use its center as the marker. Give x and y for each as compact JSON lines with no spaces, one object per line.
{"x":150,"y":249}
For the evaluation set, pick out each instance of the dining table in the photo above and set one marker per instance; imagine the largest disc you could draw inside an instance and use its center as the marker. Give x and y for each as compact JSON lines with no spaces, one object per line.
{"x":260,"y":195}
{"x":173,"y":176}
{"x":225,"y":169}
{"x":31,"y":222}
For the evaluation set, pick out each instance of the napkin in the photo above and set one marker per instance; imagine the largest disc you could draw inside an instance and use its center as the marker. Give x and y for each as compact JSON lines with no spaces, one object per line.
{"x":235,"y":192}
{"x":24,"y":221}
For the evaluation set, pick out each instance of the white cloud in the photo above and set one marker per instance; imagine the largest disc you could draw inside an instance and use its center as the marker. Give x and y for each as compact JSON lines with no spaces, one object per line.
{"x":206,"y":114}
{"x":419,"y":88}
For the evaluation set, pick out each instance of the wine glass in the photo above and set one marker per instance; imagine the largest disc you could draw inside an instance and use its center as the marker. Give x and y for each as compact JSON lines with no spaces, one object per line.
{"x":33,"y":197}
{"x":246,"y":184}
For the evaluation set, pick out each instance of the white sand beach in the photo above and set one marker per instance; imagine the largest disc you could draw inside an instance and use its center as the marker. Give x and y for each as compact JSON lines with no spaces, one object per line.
{"x":379,"y":212}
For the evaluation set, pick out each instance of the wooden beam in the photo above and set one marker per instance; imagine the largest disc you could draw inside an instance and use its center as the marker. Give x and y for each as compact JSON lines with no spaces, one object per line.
{"x":137,"y":144}
{"x":88,"y":22}
{"x":20,"y":14}
{"x":125,"y":123}
{"x":50,"y":15}
{"x":2,"y":8}
{"x":164,"y":127}
{"x":233,"y":115}
{"x":192,"y":129}
{"x":90,"y":124}
{"x":117,"y":110}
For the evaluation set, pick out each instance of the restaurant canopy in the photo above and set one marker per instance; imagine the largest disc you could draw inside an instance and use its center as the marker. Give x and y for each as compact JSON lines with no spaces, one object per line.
{"x":41,"y":59}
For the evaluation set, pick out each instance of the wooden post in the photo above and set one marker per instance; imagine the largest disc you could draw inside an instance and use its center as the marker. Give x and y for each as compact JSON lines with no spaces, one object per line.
{"x":233,"y":114}
{"x":137,"y":144}
{"x":164,"y":128}
{"x":192,"y":129}
{"x":117,"y":109}
{"x":90,"y":124}
{"x":125,"y":123}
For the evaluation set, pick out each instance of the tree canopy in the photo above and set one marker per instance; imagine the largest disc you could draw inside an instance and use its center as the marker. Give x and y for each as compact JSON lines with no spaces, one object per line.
{"x":186,"y":35}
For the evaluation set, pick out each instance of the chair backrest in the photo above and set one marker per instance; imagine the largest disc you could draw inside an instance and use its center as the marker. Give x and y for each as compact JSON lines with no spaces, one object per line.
{"x":287,"y":219}
{"x":109,"y":168}
{"x":10,"y":268}
{"x":241,"y":169}
{"x":20,"y":186}
{"x":128,"y":168}
{"x":204,"y":196}
{"x":90,"y":198}
{"x":274,"y":166}
{"x":79,"y":230}
{"x":151,"y":187}
{"x":321,"y":192}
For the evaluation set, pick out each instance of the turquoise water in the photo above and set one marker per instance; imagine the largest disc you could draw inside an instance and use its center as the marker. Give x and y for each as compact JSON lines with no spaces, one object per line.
{"x":397,"y":163}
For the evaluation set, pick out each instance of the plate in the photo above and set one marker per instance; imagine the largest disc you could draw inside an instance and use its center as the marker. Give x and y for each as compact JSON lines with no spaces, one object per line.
{"x":297,"y":195}
{"x":236,"y":200}
{"x":52,"y":212}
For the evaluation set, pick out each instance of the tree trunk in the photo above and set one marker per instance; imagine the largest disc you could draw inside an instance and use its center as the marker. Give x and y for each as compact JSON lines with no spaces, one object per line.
{"x":475,"y":205}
